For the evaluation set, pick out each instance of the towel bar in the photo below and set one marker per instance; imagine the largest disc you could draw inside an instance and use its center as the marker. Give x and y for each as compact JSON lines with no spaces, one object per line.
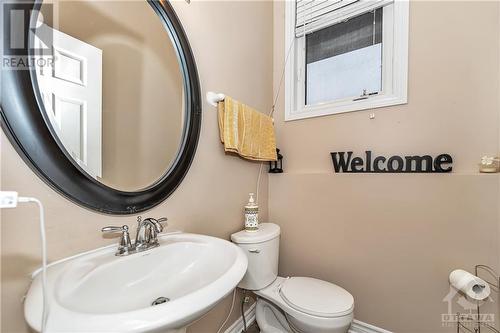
{"x":214,"y":98}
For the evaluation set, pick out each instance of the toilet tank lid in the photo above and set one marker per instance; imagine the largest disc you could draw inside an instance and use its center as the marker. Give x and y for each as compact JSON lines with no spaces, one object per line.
{"x":267,"y":231}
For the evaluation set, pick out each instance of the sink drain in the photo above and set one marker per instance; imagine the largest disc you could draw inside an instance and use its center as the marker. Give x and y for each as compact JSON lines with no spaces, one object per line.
{"x":160,"y":300}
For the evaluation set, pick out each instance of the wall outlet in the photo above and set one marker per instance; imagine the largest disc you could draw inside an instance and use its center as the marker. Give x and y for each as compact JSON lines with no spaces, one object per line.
{"x":8,"y":199}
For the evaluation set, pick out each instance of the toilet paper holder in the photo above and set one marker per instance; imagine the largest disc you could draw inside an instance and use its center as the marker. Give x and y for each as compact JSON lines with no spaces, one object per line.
{"x":493,"y":274}
{"x":467,"y":318}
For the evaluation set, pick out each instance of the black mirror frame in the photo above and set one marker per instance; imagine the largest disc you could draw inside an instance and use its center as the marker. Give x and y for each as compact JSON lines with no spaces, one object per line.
{"x":24,"y":123}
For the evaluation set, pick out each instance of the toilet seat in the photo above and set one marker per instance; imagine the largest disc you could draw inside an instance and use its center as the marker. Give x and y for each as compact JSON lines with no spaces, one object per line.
{"x":284,"y":298}
{"x":316,"y":297}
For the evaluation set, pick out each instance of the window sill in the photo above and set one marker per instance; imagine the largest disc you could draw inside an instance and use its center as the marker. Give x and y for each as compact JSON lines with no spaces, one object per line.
{"x":344,"y":106}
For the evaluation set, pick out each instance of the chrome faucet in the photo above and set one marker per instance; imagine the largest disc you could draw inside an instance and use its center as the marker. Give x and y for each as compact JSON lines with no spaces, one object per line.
{"x":145,"y":239}
{"x":147,"y":232}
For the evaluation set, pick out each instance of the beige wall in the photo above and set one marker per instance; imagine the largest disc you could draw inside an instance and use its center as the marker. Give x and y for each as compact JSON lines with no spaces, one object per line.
{"x":392,"y":240}
{"x":211,"y":197}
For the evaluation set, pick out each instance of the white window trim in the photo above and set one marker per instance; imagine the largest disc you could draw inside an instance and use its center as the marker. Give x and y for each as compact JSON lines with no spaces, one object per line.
{"x":395,"y":61}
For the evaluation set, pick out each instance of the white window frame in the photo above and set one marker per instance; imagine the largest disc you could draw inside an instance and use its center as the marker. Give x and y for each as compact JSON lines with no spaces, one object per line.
{"x":394,"y":61}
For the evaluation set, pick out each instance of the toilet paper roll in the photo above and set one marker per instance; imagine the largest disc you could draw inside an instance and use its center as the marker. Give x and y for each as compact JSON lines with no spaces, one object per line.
{"x":471,"y":285}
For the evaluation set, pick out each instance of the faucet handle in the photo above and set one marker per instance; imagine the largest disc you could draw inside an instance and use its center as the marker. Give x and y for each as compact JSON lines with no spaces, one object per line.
{"x":163,"y":220}
{"x":154,"y":224}
{"x":112,"y":229}
{"x":125,"y":242}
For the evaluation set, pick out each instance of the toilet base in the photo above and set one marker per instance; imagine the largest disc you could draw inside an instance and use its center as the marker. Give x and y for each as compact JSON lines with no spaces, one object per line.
{"x":272,"y":319}
{"x":269,"y":318}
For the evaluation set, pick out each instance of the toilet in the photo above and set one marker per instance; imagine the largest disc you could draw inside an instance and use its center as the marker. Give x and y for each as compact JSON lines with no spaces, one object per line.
{"x":292,"y":304}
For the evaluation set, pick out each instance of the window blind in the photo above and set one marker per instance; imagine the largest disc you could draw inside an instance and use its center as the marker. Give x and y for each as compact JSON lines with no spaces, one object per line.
{"x":313,"y":15}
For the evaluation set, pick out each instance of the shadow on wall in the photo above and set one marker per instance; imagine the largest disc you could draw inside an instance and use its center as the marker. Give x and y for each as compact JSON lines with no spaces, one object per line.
{"x":16,"y":265}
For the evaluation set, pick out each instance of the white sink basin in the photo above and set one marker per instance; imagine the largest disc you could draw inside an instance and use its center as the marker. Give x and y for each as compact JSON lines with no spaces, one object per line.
{"x":100,"y":292}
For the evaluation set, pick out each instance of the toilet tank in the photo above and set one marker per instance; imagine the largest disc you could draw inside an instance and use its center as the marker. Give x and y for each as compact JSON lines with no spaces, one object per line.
{"x":262,"y":250}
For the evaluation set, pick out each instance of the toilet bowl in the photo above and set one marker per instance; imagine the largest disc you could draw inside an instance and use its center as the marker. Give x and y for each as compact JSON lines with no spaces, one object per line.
{"x":292,"y":304}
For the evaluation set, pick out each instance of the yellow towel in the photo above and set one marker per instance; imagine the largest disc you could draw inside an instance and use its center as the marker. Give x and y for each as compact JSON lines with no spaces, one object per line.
{"x":246,"y":131}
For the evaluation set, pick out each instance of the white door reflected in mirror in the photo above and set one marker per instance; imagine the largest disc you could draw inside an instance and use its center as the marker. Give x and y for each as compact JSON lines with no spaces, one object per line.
{"x":72,"y":95}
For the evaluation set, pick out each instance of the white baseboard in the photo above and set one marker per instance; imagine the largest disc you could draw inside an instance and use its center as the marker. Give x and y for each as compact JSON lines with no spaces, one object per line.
{"x":360,"y":327}
{"x":237,"y":326}
{"x":356,"y":326}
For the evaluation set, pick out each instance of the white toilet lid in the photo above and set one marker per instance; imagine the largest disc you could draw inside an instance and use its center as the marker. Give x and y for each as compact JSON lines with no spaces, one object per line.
{"x":316,"y":297}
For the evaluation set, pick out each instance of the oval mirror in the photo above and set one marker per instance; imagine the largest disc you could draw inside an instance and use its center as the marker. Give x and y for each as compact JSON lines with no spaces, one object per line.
{"x":118,"y":95}
{"x":114,"y":93}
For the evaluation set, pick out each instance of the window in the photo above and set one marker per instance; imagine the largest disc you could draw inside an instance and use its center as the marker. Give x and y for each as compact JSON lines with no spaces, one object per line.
{"x":345,"y":55}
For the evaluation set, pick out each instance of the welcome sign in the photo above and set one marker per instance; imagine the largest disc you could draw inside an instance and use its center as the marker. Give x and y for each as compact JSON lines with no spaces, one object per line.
{"x":345,"y":162}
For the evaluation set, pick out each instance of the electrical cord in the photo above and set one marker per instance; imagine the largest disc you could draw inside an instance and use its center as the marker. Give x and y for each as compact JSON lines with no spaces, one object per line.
{"x":243,"y":310}
{"x":229,"y":314}
{"x":272,"y":111}
{"x":44,"y":258}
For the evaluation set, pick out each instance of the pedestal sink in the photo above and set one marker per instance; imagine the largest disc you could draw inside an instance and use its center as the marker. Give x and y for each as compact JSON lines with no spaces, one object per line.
{"x":160,"y":290}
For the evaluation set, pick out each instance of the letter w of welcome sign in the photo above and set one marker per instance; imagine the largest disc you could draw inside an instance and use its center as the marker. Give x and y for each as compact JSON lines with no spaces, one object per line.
{"x":345,"y":162}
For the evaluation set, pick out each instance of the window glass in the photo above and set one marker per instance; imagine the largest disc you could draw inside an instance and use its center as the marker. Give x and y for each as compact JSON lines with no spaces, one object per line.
{"x":345,"y":59}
